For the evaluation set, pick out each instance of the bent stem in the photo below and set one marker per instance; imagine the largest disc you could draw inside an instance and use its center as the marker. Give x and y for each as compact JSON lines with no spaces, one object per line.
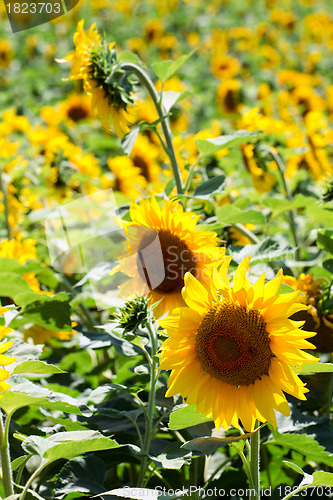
{"x":255,"y":464}
{"x":7,"y":479}
{"x":151,"y":406}
{"x":147,"y":82}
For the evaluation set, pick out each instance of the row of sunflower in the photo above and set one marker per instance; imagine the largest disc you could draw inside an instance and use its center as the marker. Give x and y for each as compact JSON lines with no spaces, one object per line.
{"x":246,"y":173}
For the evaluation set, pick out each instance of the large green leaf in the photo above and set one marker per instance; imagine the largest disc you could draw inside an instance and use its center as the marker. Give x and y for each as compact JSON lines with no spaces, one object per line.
{"x":311,"y":368}
{"x":229,"y":214}
{"x":166,"y":69}
{"x":321,"y":478}
{"x":212,"y":186}
{"x":305,"y":445}
{"x":212,"y":146}
{"x":325,"y":240}
{"x":208,"y":445}
{"x":186,"y":417}
{"x":268,"y":250}
{"x":12,"y":284}
{"x":82,"y":474}
{"x":67,"y":445}
{"x":50,"y":312}
{"x":36,"y":367}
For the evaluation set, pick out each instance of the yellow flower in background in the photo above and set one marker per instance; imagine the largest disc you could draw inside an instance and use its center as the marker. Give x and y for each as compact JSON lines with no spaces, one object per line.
{"x":263,"y":181}
{"x":128,"y":178}
{"x":231,"y":350}
{"x":40,"y":335}
{"x":225,"y":66}
{"x":6,"y":53}
{"x":4,"y":359}
{"x":183,"y":249}
{"x":92,"y":62}
{"x":22,"y":251}
{"x":228,"y":97}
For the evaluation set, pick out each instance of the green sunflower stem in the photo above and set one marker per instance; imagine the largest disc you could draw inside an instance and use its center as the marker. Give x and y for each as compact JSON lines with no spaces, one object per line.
{"x":7,"y":479}
{"x":147,"y":82}
{"x":291,"y":214}
{"x":151,"y":406}
{"x":255,"y":464}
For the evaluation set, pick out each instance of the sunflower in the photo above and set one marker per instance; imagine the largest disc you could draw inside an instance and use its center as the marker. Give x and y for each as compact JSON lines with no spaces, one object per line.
{"x":94,"y":62}
{"x":40,"y":335}
{"x":223,"y":66}
{"x":231,"y":349}
{"x":164,"y":244}
{"x":128,"y":177}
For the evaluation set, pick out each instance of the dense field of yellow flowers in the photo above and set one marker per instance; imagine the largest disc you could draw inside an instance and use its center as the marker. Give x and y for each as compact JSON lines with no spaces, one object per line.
{"x":166,"y":251}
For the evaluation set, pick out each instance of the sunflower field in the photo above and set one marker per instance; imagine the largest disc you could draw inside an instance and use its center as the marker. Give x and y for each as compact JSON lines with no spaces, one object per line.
{"x":166,"y":249}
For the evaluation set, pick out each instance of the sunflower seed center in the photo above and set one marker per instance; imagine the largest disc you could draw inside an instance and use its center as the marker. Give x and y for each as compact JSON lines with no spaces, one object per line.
{"x":232,"y":344}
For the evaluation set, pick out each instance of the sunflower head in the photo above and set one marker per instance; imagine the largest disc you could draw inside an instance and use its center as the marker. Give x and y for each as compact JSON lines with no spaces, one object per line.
{"x":164,"y":244}
{"x":95,"y":62}
{"x":230,"y":350}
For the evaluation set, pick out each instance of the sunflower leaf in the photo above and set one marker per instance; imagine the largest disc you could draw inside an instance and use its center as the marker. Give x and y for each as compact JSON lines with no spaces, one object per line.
{"x":305,"y":445}
{"x":185,"y":417}
{"x":321,"y":478}
{"x":212,"y":186}
{"x":35,"y":367}
{"x":129,"y":140}
{"x":208,"y":445}
{"x":311,"y":368}
{"x":229,"y":214}
{"x":212,"y":146}
{"x":166,"y":69}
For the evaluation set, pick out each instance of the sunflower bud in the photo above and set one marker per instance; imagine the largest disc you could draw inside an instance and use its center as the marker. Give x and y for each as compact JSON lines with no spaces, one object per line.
{"x":134,"y":314}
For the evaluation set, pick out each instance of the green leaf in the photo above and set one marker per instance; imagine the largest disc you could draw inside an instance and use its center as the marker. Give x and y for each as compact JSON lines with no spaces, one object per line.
{"x":17,"y":462}
{"x":293,"y":466}
{"x":12,"y":284}
{"x":35,"y":366}
{"x":128,"y":56}
{"x":129,"y":140}
{"x":328,"y":265}
{"x":285,"y":289}
{"x":229,"y":214}
{"x":325,"y":240}
{"x":50,"y":312}
{"x":82,"y":474}
{"x":67,"y":445}
{"x":186,"y":417}
{"x":208,"y":445}
{"x":305,"y":445}
{"x":171,"y":98}
{"x":172,"y":457}
{"x":21,"y":395}
{"x":212,"y":186}
{"x":169,"y":187}
{"x":268,"y":250}
{"x":166,"y":69}
{"x":321,"y":478}
{"x":311,"y":368}
{"x":281,"y":205}
{"x":212,"y":146}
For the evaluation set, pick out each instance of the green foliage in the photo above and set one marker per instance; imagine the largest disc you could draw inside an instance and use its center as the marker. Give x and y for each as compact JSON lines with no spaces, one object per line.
{"x":166,"y":69}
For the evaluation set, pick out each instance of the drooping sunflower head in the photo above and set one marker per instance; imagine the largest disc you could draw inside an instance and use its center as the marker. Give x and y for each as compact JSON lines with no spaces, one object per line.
{"x":95,"y":63}
{"x":231,"y":350}
{"x":164,"y":245}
